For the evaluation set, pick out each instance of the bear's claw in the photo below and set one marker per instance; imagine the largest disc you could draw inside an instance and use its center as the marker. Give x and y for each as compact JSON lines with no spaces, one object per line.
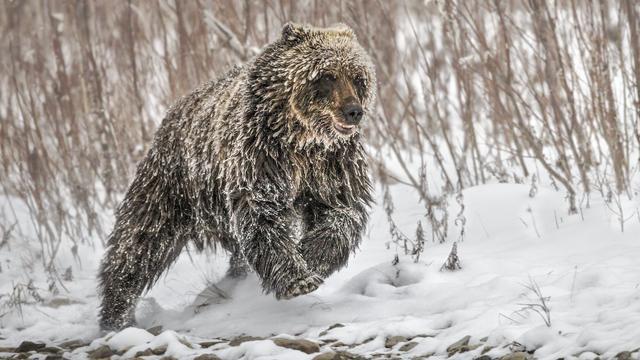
{"x":301,"y":287}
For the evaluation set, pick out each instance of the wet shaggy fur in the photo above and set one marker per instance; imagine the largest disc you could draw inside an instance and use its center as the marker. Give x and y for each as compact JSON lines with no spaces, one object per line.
{"x":244,"y":160}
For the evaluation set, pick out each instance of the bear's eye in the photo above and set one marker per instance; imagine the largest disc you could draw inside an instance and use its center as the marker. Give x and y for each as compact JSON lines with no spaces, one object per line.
{"x":361,"y":85}
{"x":324,"y":84}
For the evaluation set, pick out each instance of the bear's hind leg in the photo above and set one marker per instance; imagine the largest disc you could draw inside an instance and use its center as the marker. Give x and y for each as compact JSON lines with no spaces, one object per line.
{"x":128,"y":269}
{"x":153,"y":224}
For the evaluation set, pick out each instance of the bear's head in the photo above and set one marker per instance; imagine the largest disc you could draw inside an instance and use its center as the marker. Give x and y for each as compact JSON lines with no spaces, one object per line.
{"x":321,"y":78}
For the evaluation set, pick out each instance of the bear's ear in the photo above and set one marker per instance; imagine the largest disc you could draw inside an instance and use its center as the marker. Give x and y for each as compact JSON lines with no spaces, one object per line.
{"x":344,"y":30}
{"x":294,"y":33}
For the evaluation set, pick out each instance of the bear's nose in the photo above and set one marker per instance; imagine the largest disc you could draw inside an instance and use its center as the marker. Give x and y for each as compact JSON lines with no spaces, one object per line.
{"x":352,"y":113}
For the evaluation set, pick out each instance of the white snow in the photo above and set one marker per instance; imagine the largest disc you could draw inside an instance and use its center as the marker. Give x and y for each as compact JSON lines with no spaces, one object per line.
{"x":584,"y":263}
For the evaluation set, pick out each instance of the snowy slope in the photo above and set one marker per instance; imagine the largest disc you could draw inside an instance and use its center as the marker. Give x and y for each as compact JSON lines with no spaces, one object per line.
{"x":583,"y":263}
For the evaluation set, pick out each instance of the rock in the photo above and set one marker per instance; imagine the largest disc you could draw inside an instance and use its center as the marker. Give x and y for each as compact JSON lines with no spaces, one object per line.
{"x":155,"y":330}
{"x":159,"y":350}
{"x":486,"y":349}
{"x":338,"y":355}
{"x":457,"y":346}
{"x":102,"y":352}
{"x":147,"y":352}
{"x":168,"y":358}
{"x":520,"y":355}
{"x":328,"y":341}
{"x":243,"y":338}
{"x":184,"y":342}
{"x":306,"y":346}
{"x":334,"y":326}
{"x":206,"y":357}
{"x":623,"y":355}
{"x":408,"y":346}
{"x":208,"y":344}
{"x":73,"y":344}
{"x":484,"y":339}
{"x":325,"y":356}
{"x":51,"y":350}
{"x":393,"y":341}
{"x":466,"y":348}
{"x":7,"y":350}
{"x":21,"y":356}
{"x":54,"y":357}
{"x":483,"y":357}
{"x":27,"y":346}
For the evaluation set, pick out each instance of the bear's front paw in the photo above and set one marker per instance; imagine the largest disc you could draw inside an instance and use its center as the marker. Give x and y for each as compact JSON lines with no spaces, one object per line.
{"x":300,"y":287}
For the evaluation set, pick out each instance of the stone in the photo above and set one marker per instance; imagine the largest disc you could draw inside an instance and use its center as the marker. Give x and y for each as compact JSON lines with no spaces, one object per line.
{"x":54,"y":357}
{"x":486,"y":349}
{"x":159,"y":350}
{"x":408,"y":346}
{"x":334,"y":326}
{"x":27,"y":346}
{"x":328,"y":341}
{"x":338,"y":355}
{"x":457,"y":346}
{"x":623,"y":355}
{"x":155,"y":330}
{"x":51,"y":350}
{"x":102,"y":352}
{"x":7,"y":350}
{"x":306,"y":346}
{"x":147,"y":352}
{"x":393,"y":341}
{"x":483,"y":357}
{"x":206,"y":357}
{"x":73,"y":344}
{"x":208,"y":344}
{"x":243,"y":338}
{"x":325,"y":356}
{"x":520,"y":355}
{"x":466,"y":348}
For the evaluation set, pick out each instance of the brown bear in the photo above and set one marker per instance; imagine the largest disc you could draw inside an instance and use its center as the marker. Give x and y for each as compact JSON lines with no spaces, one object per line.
{"x":241,"y":162}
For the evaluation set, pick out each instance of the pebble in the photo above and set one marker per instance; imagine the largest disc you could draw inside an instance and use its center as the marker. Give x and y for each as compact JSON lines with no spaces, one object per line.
{"x":306,"y":346}
{"x":520,"y":355}
{"x":207,"y":344}
{"x":27,"y":346}
{"x":623,"y":355}
{"x":102,"y":352}
{"x":206,"y":357}
{"x":393,"y":341}
{"x":155,"y":330}
{"x":338,"y":355}
{"x":408,"y":346}
{"x":244,"y":338}
{"x":159,"y":350}
{"x":457,"y":346}
{"x":73,"y":344}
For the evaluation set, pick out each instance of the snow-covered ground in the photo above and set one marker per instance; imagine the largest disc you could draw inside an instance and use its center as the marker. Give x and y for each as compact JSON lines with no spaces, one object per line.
{"x":585,"y":267}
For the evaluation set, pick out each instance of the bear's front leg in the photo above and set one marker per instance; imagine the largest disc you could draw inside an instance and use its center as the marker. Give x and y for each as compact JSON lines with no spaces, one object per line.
{"x":262,"y":221}
{"x":331,"y":235}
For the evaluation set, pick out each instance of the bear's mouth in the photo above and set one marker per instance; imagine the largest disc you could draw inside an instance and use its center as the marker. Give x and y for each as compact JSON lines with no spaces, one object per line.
{"x":343,"y":128}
